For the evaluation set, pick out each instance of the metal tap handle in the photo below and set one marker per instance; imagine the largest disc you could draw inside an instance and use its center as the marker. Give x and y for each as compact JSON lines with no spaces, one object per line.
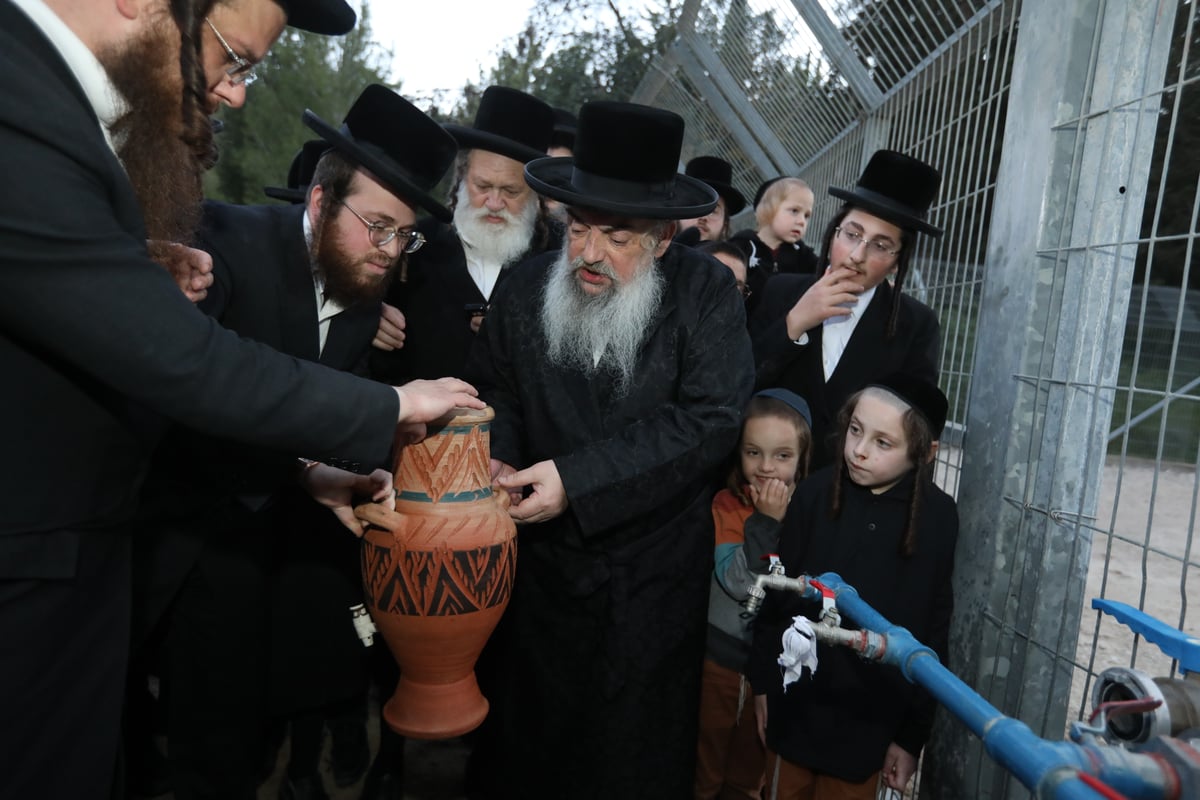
{"x":1172,"y":642}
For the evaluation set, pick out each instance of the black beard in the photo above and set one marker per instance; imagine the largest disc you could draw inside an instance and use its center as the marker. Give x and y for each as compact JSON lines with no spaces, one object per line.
{"x":162,"y":168}
{"x":345,"y":281}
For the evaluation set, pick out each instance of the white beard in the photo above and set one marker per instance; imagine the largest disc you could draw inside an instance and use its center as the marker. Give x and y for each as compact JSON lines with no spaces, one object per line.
{"x":605,"y":332}
{"x":492,"y":242}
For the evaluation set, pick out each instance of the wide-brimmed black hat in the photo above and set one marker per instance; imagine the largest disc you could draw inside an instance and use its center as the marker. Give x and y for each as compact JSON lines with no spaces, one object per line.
{"x":508,"y":122}
{"x":717,"y":173}
{"x":328,"y":17}
{"x":897,"y":188}
{"x":396,"y":142}
{"x":922,"y":395}
{"x":565,"y":127}
{"x":300,"y":173}
{"x":625,"y":162}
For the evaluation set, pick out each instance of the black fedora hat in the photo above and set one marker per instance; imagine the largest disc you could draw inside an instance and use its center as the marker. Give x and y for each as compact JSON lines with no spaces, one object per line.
{"x":508,"y":122}
{"x":625,"y":162}
{"x":898,"y":188}
{"x":300,"y":173}
{"x":328,"y":17}
{"x":922,"y":395}
{"x":717,"y":173}
{"x":565,"y":127}
{"x":396,"y":142}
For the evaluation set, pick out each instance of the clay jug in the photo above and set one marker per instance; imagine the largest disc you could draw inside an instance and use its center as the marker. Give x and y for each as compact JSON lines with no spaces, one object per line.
{"x":438,"y":573}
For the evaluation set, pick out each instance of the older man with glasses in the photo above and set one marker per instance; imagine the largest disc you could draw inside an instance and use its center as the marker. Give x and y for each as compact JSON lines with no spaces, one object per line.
{"x":308,"y":280}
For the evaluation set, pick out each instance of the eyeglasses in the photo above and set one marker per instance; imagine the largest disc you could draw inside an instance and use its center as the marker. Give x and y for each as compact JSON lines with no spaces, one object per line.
{"x":744,"y":290}
{"x":875,"y":248}
{"x":242,"y":71}
{"x":382,"y":235}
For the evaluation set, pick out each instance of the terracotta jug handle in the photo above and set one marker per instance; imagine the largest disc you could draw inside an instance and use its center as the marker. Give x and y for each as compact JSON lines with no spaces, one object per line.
{"x":381,"y":516}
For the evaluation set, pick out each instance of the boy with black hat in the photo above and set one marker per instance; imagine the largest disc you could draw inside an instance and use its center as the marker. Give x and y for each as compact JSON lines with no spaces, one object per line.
{"x":434,"y":310}
{"x":824,"y":337}
{"x":306,"y":279}
{"x":618,"y":369}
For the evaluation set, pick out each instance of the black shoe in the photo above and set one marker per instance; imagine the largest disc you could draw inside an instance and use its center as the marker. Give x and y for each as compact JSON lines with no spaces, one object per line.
{"x":350,"y":751}
{"x":383,"y":786}
{"x":309,"y":788}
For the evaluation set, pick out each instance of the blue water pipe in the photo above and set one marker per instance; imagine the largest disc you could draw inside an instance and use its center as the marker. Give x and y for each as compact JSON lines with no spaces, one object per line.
{"x":1050,"y":769}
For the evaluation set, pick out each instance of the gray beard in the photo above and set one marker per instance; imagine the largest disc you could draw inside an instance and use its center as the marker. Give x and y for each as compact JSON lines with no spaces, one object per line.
{"x":492,"y":243}
{"x":614,"y":324}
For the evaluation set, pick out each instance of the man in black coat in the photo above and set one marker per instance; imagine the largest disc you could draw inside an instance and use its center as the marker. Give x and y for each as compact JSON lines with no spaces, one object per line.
{"x":307,"y":280}
{"x":435,"y":307}
{"x":618,"y":369}
{"x":826,"y":337}
{"x":96,"y":340}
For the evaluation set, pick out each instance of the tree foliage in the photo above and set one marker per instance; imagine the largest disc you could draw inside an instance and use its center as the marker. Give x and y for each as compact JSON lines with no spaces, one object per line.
{"x":304,"y":71}
{"x":573,"y":51}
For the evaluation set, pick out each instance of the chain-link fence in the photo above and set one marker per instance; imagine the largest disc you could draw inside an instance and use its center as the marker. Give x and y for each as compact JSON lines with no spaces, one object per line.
{"x":1065,"y":133}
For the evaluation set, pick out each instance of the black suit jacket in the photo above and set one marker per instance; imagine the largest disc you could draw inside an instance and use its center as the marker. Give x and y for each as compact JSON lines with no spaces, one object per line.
{"x":869,"y":354}
{"x":92,"y":333}
{"x":433,"y":293}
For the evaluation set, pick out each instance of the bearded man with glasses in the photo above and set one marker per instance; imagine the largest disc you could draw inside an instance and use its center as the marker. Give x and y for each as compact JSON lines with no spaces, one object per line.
{"x":306,"y":279}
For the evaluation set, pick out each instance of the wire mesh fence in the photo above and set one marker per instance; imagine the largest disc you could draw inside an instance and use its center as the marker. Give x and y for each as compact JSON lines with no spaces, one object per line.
{"x":1066,"y":135}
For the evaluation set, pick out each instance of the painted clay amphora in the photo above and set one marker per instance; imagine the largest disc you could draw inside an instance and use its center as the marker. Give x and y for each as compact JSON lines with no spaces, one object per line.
{"x":438,"y":573}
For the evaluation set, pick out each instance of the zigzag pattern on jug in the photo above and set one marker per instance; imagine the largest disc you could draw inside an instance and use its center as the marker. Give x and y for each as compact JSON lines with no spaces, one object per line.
{"x":438,"y":582}
{"x":442,"y":465}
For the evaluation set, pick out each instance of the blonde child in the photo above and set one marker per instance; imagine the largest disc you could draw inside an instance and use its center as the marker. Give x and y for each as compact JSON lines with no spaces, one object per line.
{"x":782,"y":215}
{"x":772,"y":456}
{"x":876,"y":518}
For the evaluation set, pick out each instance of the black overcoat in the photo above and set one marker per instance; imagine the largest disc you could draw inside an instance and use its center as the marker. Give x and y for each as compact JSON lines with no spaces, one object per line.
{"x":762,"y":262}
{"x":869,"y":354}
{"x":840,"y":720}
{"x":608,"y":614}
{"x":92,"y":335}
{"x":433,"y":293}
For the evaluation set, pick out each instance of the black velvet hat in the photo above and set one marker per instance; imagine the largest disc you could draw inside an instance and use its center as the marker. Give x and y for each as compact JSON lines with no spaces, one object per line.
{"x":328,"y":17}
{"x":565,"y":127}
{"x":717,"y":173}
{"x":396,"y":142}
{"x":897,"y":188}
{"x":625,"y":162}
{"x":300,"y":173}
{"x":508,"y":122}
{"x":922,"y":395}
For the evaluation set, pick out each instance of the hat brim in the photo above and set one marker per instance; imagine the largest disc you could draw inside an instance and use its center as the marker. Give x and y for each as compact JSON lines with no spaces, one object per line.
{"x":553,"y":177}
{"x":330,"y":18}
{"x":288,"y":195}
{"x":387,"y":174}
{"x":734,"y":202}
{"x":471,"y":139}
{"x":883,"y":208}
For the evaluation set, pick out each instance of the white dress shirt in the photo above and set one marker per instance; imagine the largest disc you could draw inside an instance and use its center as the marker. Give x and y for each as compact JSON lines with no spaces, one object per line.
{"x":837,"y":331}
{"x":327,"y":309}
{"x":484,"y":275}
{"x":104,"y":98}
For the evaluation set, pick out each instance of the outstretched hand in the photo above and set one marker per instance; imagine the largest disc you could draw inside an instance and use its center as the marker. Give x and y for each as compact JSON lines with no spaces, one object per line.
{"x":336,"y":489}
{"x":548,"y":499}
{"x":425,"y":401}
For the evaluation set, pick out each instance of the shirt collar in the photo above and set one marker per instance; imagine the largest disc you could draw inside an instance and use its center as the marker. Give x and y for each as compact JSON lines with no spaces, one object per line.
{"x":105,"y":100}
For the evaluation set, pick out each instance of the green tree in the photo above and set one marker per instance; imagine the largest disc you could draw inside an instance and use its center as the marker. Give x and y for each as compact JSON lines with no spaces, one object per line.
{"x":303,"y":71}
{"x":573,"y":51}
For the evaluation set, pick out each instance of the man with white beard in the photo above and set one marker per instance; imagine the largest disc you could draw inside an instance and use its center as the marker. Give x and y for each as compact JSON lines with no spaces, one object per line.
{"x":437,"y":303}
{"x":618,"y":369}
